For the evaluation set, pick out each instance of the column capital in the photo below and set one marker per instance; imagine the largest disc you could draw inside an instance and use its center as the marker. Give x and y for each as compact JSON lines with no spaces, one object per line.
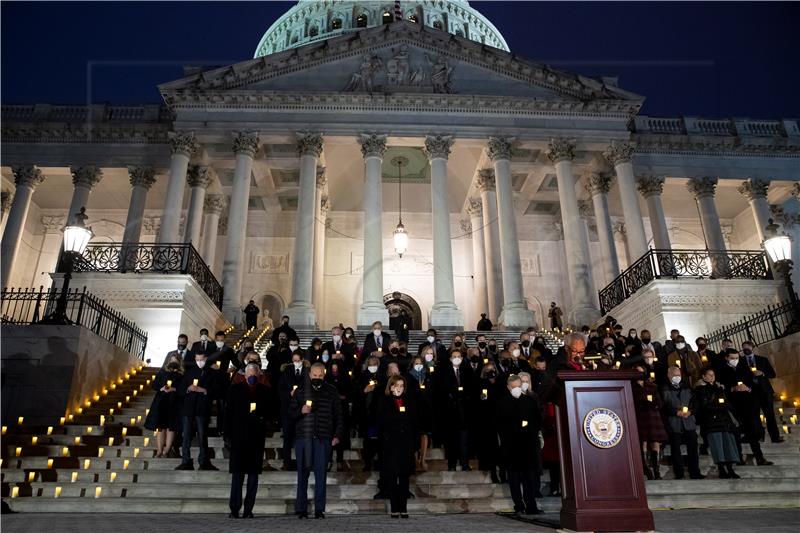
{"x":598,"y":183}
{"x":199,"y":176}
{"x":500,"y":148}
{"x":485,"y":180}
{"x":559,"y":149}
{"x":787,"y":220}
{"x":27,"y":176}
{"x":438,"y":146}
{"x":753,"y":188}
{"x":372,"y":144}
{"x":182,"y":142}
{"x":141,"y":176}
{"x":53,"y":223}
{"x":6,"y":197}
{"x":309,"y":144}
{"x":650,"y":185}
{"x":324,"y":204}
{"x":619,"y":152}
{"x":796,"y":190}
{"x":214,"y":204}
{"x":475,"y":207}
{"x":322,"y":179}
{"x":245,"y":143}
{"x":701,"y":186}
{"x":86,"y":176}
{"x":465,"y":225}
{"x":585,"y":208}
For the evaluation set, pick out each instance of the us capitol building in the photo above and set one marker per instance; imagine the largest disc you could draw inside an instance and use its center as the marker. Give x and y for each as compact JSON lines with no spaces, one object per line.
{"x":358,"y":165}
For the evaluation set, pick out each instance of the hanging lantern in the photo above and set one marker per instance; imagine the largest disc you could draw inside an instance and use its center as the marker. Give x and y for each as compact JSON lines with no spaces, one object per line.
{"x":400,"y":233}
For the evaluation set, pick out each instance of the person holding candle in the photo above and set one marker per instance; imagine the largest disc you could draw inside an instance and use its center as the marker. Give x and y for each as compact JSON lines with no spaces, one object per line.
{"x":678,"y":410}
{"x":647,"y":404}
{"x":165,"y":413}
{"x":197,"y":389}
{"x":456,"y":393}
{"x":245,"y":424}
{"x":376,"y":340}
{"x":717,"y":423}
{"x":491,"y":388}
{"x":432,"y":341}
{"x":762,"y":372}
{"x":686,"y":359}
{"x":338,"y":376}
{"x":292,"y":376}
{"x":337,"y":346}
{"x":316,"y":412}
{"x":364,"y":409}
{"x":424,"y":386}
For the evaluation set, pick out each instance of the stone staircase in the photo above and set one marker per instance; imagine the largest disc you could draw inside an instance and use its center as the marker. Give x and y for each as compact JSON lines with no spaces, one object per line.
{"x":83,"y":466}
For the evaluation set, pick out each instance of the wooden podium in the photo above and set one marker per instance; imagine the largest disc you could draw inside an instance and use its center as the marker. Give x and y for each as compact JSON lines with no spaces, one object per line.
{"x":602,"y":481}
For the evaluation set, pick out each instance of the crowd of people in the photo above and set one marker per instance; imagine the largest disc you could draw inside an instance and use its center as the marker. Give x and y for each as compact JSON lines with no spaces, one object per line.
{"x":479,"y":399}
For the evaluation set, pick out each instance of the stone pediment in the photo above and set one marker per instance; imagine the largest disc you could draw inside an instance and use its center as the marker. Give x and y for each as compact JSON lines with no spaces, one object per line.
{"x":398,"y":58}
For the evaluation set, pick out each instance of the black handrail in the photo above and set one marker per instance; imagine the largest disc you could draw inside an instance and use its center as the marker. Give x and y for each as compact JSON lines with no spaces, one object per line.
{"x":674,"y":264}
{"x":163,"y":258}
{"x":774,"y":322}
{"x":30,"y":306}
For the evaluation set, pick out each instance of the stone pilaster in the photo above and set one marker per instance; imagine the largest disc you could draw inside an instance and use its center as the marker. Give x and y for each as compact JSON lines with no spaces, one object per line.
{"x":183,"y":145}
{"x":620,"y":155}
{"x":479,"y":281}
{"x":485,"y":183}
{"x":213,"y":205}
{"x":198,"y":177}
{"x":26,"y":178}
{"x":755,"y":190}
{"x":702,"y":188}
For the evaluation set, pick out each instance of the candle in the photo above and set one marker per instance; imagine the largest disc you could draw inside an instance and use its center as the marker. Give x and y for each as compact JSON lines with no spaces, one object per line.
{"x":119,"y":405}
{"x":617,"y":365}
{"x":460,"y":389}
{"x":402,"y":409}
{"x":80,"y":410}
{"x":110,"y":441}
{"x":792,"y":419}
{"x":649,"y":397}
{"x":124,"y":431}
{"x":111,"y":411}
{"x":20,"y":420}
{"x":102,"y":420}
{"x":432,"y":369}
{"x":65,"y":451}
{"x":34,"y":440}
{"x":422,"y":386}
{"x":678,"y":363}
{"x":97,"y":491}
{"x":74,"y":477}
{"x":309,"y":403}
{"x":524,"y":423}
{"x":135,"y":392}
{"x":786,"y":429}
{"x":169,"y":383}
{"x":380,"y":349}
{"x":739,"y":384}
{"x":780,"y":411}
{"x":371,"y":383}
{"x":100,"y":452}
{"x":57,"y":492}
{"x":703,"y":358}
{"x":753,"y":369}
{"x":61,"y":421}
{"x":77,"y":440}
{"x":136,"y":452}
{"x":485,"y":361}
{"x":14,"y":492}
{"x":31,"y":476}
{"x":350,"y":373}
{"x":133,"y":420}
{"x":49,"y":463}
{"x":125,"y":464}
{"x":685,"y":409}
{"x":252,"y":406}
{"x":112,"y":477}
{"x":87,"y":463}
{"x":722,"y":400}
{"x":652,"y":375}
{"x":18,"y":451}
{"x":146,"y":441}
{"x":195,"y":382}
{"x":4,"y":430}
{"x":485,"y":392}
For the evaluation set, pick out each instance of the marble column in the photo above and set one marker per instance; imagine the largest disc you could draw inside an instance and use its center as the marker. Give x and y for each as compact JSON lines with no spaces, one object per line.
{"x":584,"y":308}
{"x":598,"y":186}
{"x":620,"y":155}
{"x":199,"y":177}
{"x":301,"y":308}
{"x":245,"y":146}
{"x":26,"y":178}
{"x":702,"y":188}
{"x":320,"y":213}
{"x":480,"y":294}
{"x":53,"y":227}
{"x":444,"y":312}
{"x":788,"y":216}
{"x":213,"y":205}
{"x":651,"y":187}
{"x":183,"y":145}
{"x":141,"y":178}
{"x":485,"y":183}
{"x":755,"y":190}
{"x":84,"y":179}
{"x":372,"y":308}
{"x":515,"y":312}
{"x":5,"y":206}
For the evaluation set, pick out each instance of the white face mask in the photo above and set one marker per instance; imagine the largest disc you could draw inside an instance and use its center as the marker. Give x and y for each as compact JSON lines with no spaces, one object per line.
{"x":515,"y":352}
{"x":372,"y":369}
{"x":397,"y":392}
{"x":525,"y":386}
{"x":292,"y":347}
{"x":680,"y":345}
{"x":418,"y":367}
{"x":431,"y":339}
{"x":348,"y":335}
{"x":337,"y":338}
{"x":516,"y":392}
{"x":203,"y":338}
{"x":298,"y":365}
{"x":200,"y":364}
{"x":733,"y":362}
{"x":456,"y":361}
{"x":429,"y":357}
{"x":220,"y":344}
{"x":649,"y":360}
{"x":676,"y":380}
{"x":325,"y":358}
{"x":376,"y":332}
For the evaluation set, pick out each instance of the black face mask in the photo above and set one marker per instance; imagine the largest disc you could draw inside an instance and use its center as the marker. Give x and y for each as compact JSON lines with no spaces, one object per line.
{"x":475,"y":359}
{"x":457,"y":344}
{"x":703,"y":347}
{"x":492,"y":347}
{"x":525,"y":344}
{"x":402,"y":351}
{"x":316,"y":384}
{"x":181,"y":347}
{"x":646,"y":340}
{"x":491,"y":374}
{"x":482,"y":345}
{"x":282,"y":341}
{"x":172,"y":367}
{"x":394,"y":351}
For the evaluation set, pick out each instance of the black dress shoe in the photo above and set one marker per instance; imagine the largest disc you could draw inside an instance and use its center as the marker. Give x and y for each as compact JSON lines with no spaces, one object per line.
{"x":302,"y":514}
{"x":764,"y":462}
{"x":185,"y":466}
{"x":698,"y":476}
{"x":207,"y":466}
{"x":403,"y":515}
{"x":778,"y":440}
{"x":248,"y":514}
{"x":233,"y":515}
{"x":319,"y":514}
{"x":395,"y":515}
{"x":534,"y":511}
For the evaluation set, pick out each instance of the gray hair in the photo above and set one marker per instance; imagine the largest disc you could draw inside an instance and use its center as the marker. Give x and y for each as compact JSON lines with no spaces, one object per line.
{"x":254,"y":367}
{"x":570,"y":338}
{"x":524,"y":375}
{"x":318,"y":365}
{"x":512,"y":378}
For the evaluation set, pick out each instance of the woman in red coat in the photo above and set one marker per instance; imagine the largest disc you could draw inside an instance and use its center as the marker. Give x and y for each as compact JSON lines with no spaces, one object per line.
{"x":647,"y":404}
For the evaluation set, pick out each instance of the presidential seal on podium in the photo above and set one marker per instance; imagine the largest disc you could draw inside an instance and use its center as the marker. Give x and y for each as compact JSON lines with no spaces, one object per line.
{"x":603,"y":427}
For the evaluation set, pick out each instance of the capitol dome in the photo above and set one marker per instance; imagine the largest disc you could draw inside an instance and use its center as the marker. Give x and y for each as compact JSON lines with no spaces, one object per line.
{"x":315,"y":20}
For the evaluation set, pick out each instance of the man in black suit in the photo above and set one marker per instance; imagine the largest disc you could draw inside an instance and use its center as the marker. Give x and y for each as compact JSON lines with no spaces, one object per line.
{"x":456,"y":392}
{"x":182,"y":351}
{"x":284,"y":328}
{"x":199,"y":387}
{"x":224,"y":355}
{"x":433,"y":340}
{"x":204,"y":345}
{"x":762,"y":388}
{"x":337,"y":345}
{"x":251,"y":314}
{"x":376,"y":341}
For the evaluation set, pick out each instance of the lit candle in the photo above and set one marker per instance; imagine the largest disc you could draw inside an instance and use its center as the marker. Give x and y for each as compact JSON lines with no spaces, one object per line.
{"x":753,"y":369}
{"x":678,"y":363}
{"x":87,"y":463}
{"x":780,"y":411}
{"x":402,"y":409}
{"x":65,"y":451}
{"x":133,"y":420}
{"x":432,"y":369}
{"x":380,"y":349}
{"x":703,"y":358}
{"x":31,"y":476}
{"x":14,"y":492}
{"x":110,"y":441}
{"x":111,"y":411}
{"x":80,"y":410}
{"x":61,"y":421}
{"x":18,"y":451}
{"x":252,"y":406}
{"x":309,"y":403}
{"x":57,"y":492}
{"x":460,"y":389}
{"x":652,"y":375}
{"x":77,"y":440}
{"x":136,"y":452}
{"x":119,"y":405}
{"x":34,"y":440}
{"x":792,"y":419}
{"x":112,"y":477}
{"x":4,"y":429}
{"x":71,"y":418}
{"x":74,"y":477}
{"x":739,"y":384}
{"x":722,"y":400}
{"x":422,"y":386}
{"x":127,"y":399}
{"x":97,"y":491}
{"x":146,"y":441}
{"x":125,"y":464}
{"x":100,"y":452}
{"x":102,"y":420}
{"x":135,"y":392}
{"x":195,"y":382}
{"x":124,"y":431}
{"x":89,"y":429}
{"x":524,"y":423}
{"x":371,"y":383}
{"x":485,"y":361}
{"x":649,"y":397}
{"x":485,"y":392}
{"x":49,"y":463}
{"x":169,"y":383}
{"x":20,"y":420}
{"x":617,"y":365}
{"x":685,"y":409}
{"x":786,"y":429}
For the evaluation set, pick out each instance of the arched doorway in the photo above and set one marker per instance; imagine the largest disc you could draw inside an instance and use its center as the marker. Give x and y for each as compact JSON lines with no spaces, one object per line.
{"x":396,"y":302}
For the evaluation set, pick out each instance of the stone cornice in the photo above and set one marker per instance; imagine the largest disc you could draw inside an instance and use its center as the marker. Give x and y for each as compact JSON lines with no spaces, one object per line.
{"x":722,"y":146}
{"x":650,"y":185}
{"x":438,"y":146}
{"x":309,"y":144}
{"x":63,"y":133}
{"x":86,"y":176}
{"x":372,"y":144}
{"x":598,"y":183}
{"x":485,"y":180}
{"x":560,"y":150}
{"x":701,"y":186}
{"x":754,"y":188}
{"x":27,"y":176}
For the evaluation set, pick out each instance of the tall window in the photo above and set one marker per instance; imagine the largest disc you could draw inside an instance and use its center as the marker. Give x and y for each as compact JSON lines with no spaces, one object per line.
{"x":387,"y":17}
{"x":361,"y":21}
{"x":437,"y":24}
{"x":313,"y":32}
{"x":336,"y":24}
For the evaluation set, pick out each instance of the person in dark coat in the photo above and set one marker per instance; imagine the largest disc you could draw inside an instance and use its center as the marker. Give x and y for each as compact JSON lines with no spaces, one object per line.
{"x":198,"y":389}
{"x":165,"y":412}
{"x":678,"y":411}
{"x":484,"y":324}
{"x":398,"y":429}
{"x":762,"y":388}
{"x":365,"y":414}
{"x":338,"y":376}
{"x":647,"y":404}
{"x":292,"y":377}
{"x":439,"y":349}
{"x":491,"y":388}
{"x":182,"y":351}
{"x":518,"y":425}
{"x":283,"y":328}
{"x":316,"y":411}
{"x":376,"y":341}
{"x":251,"y":311}
{"x":346,"y":351}
{"x":717,"y":423}
{"x":456,"y":393}
{"x":204,"y":345}
{"x":248,"y":408}
{"x":277,"y":356}
{"x":222,"y":356}
{"x":423,"y":384}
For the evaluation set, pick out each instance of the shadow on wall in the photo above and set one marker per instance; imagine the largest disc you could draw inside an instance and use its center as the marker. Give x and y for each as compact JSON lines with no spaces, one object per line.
{"x":782,"y":353}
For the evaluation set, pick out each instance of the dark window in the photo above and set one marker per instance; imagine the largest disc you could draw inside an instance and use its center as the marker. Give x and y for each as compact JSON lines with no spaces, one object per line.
{"x":387,"y":17}
{"x":336,"y":24}
{"x":361,"y":21}
{"x":437,"y":24}
{"x":313,"y":32}
{"x":459,"y":33}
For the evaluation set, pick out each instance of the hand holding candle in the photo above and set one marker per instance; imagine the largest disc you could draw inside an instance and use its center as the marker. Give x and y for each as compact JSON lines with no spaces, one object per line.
{"x":252,"y":406}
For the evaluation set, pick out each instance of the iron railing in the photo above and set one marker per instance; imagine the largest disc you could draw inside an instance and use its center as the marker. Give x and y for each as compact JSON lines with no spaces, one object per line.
{"x":674,"y":264}
{"x":30,"y":306}
{"x":179,"y":258}
{"x":774,"y":322}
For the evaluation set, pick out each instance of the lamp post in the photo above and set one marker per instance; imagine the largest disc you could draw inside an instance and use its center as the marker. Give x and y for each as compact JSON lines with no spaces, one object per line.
{"x":76,"y":238}
{"x":779,"y":249}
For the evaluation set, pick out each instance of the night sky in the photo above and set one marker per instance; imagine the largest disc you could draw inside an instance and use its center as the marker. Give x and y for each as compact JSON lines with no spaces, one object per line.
{"x":694,"y":58}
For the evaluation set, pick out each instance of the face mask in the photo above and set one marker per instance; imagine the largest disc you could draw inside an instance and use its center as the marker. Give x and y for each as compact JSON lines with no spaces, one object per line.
{"x":397,"y":392}
{"x":203,"y":337}
{"x":372,"y":369}
{"x":220,"y":344}
{"x":394,"y":351}
{"x":516,"y":392}
{"x":337,"y":338}
{"x":376,"y":332}
{"x":456,"y":361}
{"x":701,"y":346}
{"x":475,"y":359}
{"x":429,"y":357}
{"x":200,"y":364}
{"x":316,"y":384}
{"x":492,"y":347}
{"x":648,"y":360}
{"x":282,"y":340}
{"x":285,"y":322}
{"x":325,"y":358}
{"x":348,"y":335}
{"x":251,"y":380}
{"x":733,"y":362}
{"x":173,"y":367}
{"x":403,"y":351}
{"x":632,"y":334}
{"x":431,"y":338}
{"x":525,"y":344}
{"x":181,"y":347}
{"x":298,"y":365}
{"x":646,"y":340}
{"x":491,"y":374}
{"x":676,"y":380}
{"x":515,"y":352}
{"x":747,"y":351}
{"x":292,"y":347}
{"x":680,"y":345}
{"x":419,"y":367}
{"x":609,"y":348}
{"x":253,"y":362}
{"x":482,"y":345}
{"x":525,"y":386}
{"x":457,"y":344}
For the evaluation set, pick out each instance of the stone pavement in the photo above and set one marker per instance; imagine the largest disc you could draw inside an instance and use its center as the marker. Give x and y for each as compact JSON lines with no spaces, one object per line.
{"x":683,"y":521}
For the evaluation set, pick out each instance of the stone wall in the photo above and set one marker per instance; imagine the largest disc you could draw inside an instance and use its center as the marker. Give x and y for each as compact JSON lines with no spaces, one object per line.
{"x":48,"y":371}
{"x":784,"y":355}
